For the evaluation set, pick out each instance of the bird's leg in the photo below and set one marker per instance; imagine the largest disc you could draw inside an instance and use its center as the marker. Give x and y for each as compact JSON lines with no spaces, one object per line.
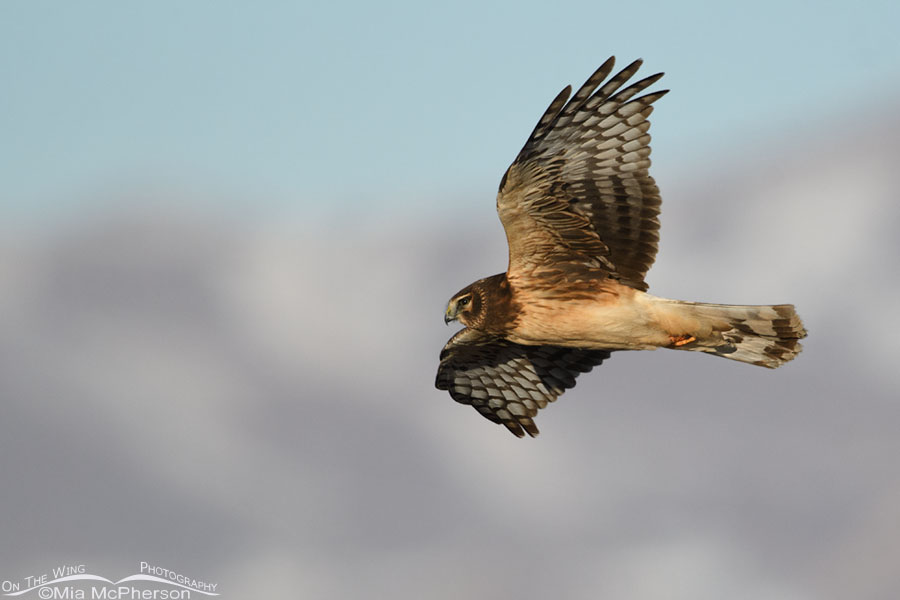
{"x":681,"y":340}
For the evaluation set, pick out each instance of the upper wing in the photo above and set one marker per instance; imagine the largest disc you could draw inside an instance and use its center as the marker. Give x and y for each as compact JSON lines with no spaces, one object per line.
{"x":506,"y":382}
{"x":578,"y":199}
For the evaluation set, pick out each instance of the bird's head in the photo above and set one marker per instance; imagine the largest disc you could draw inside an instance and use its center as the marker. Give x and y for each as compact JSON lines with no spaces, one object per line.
{"x":466,"y":306}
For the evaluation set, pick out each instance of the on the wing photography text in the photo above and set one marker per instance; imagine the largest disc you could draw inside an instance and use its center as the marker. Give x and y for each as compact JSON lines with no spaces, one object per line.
{"x":74,"y":582}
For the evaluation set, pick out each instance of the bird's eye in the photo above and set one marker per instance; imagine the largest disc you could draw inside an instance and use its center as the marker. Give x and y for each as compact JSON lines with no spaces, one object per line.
{"x":463,"y":302}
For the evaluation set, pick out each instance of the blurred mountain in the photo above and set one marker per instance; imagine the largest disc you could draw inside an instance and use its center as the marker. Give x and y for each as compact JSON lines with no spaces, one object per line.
{"x":253,"y":403}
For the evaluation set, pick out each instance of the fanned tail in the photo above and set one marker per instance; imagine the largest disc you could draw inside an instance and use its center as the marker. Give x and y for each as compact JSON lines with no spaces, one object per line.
{"x":768,"y":336}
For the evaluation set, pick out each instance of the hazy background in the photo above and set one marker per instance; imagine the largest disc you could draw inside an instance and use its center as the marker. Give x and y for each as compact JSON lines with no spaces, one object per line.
{"x":228,"y":232}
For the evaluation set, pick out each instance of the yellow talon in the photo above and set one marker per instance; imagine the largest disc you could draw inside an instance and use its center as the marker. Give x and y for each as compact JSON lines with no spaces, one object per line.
{"x":681,"y":340}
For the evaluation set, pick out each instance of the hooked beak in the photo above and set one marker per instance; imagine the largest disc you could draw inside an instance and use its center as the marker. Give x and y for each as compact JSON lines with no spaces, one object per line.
{"x":449,"y":314}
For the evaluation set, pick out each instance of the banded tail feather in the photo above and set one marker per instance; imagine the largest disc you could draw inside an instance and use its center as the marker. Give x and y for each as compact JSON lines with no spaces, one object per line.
{"x":767,"y":336}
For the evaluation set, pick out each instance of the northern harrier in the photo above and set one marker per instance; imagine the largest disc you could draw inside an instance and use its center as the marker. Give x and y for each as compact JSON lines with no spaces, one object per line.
{"x":580,"y":212}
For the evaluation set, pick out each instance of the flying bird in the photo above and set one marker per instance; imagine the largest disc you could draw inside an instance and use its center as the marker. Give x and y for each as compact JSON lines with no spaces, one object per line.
{"x":581,"y":215}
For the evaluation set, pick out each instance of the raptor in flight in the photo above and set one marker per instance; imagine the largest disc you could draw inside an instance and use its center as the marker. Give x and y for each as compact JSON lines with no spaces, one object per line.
{"x":581,"y":215}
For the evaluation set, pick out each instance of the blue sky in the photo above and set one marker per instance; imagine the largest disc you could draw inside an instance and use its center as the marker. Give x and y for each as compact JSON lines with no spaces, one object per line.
{"x":306,"y":110}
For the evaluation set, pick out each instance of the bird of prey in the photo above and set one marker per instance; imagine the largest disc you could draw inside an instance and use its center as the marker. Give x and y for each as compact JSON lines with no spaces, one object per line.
{"x":580,"y":212}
